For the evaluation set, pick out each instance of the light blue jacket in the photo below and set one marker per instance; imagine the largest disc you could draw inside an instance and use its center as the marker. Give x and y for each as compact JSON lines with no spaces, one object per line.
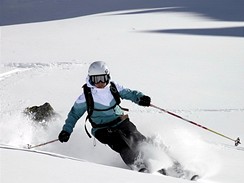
{"x":103,"y":99}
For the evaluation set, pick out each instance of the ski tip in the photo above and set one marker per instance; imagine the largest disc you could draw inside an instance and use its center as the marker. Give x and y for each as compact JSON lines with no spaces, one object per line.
{"x":143,"y":170}
{"x":162,"y":171}
{"x":195,"y":177}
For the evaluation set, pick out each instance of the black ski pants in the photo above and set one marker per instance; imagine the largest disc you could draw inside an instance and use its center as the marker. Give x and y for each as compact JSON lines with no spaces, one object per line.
{"x":124,"y":139}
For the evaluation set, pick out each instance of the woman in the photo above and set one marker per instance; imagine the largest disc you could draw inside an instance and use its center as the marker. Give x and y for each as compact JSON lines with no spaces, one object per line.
{"x":110,"y":125}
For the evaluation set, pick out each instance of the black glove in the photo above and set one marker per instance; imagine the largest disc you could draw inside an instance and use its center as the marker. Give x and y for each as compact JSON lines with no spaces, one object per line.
{"x":63,"y":136}
{"x":145,"y":101}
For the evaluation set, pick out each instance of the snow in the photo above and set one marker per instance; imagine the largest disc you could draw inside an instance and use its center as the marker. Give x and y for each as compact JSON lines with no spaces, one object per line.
{"x":188,"y":57}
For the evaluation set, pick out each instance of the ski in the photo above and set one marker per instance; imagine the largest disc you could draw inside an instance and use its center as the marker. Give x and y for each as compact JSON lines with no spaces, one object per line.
{"x":177,"y":171}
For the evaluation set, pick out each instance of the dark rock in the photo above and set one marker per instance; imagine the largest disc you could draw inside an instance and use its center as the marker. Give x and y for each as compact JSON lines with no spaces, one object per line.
{"x":40,"y":113}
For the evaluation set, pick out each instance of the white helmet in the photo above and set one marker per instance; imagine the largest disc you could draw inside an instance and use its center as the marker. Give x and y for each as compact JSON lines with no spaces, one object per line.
{"x":98,"y":72}
{"x":98,"y":68}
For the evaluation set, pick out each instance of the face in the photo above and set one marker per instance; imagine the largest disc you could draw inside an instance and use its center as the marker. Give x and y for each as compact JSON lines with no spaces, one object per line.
{"x":100,"y":85}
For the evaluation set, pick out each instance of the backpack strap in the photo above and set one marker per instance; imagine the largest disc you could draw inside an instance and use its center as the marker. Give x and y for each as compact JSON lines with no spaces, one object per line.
{"x":89,"y":104}
{"x":89,"y":100}
{"x":116,"y":95}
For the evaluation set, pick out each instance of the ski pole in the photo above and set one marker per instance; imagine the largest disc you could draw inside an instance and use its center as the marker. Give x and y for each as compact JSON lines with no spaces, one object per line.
{"x":237,"y":141}
{"x":42,"y":144}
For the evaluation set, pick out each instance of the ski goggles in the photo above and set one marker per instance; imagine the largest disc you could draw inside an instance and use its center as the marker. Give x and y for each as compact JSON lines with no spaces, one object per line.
{"x":99,"y":78}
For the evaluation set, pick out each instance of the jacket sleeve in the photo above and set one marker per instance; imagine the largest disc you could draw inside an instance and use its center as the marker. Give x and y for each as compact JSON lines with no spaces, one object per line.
{"x":77,"y":110}
{"x":128,"y":94}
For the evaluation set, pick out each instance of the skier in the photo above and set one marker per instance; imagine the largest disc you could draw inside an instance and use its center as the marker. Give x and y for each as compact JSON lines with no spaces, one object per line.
{"x":109,"y":123}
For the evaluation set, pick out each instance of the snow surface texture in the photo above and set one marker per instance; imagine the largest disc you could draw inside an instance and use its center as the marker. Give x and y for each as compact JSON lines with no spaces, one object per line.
{"x":187,"y":58}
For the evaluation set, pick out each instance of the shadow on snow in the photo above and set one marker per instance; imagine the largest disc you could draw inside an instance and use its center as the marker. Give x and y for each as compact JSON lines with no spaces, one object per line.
{"x":17,"y":12}
{"x":230,"y":31}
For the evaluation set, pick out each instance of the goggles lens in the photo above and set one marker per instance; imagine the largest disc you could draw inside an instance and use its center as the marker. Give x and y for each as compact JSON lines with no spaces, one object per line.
{"x":99,"y":78}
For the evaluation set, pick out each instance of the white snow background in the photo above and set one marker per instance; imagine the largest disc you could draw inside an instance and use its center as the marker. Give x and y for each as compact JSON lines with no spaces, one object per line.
{"x":189,"y":62}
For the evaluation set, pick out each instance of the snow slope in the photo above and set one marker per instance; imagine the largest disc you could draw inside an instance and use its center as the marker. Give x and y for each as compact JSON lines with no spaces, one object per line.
{"x":189,"y":63}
